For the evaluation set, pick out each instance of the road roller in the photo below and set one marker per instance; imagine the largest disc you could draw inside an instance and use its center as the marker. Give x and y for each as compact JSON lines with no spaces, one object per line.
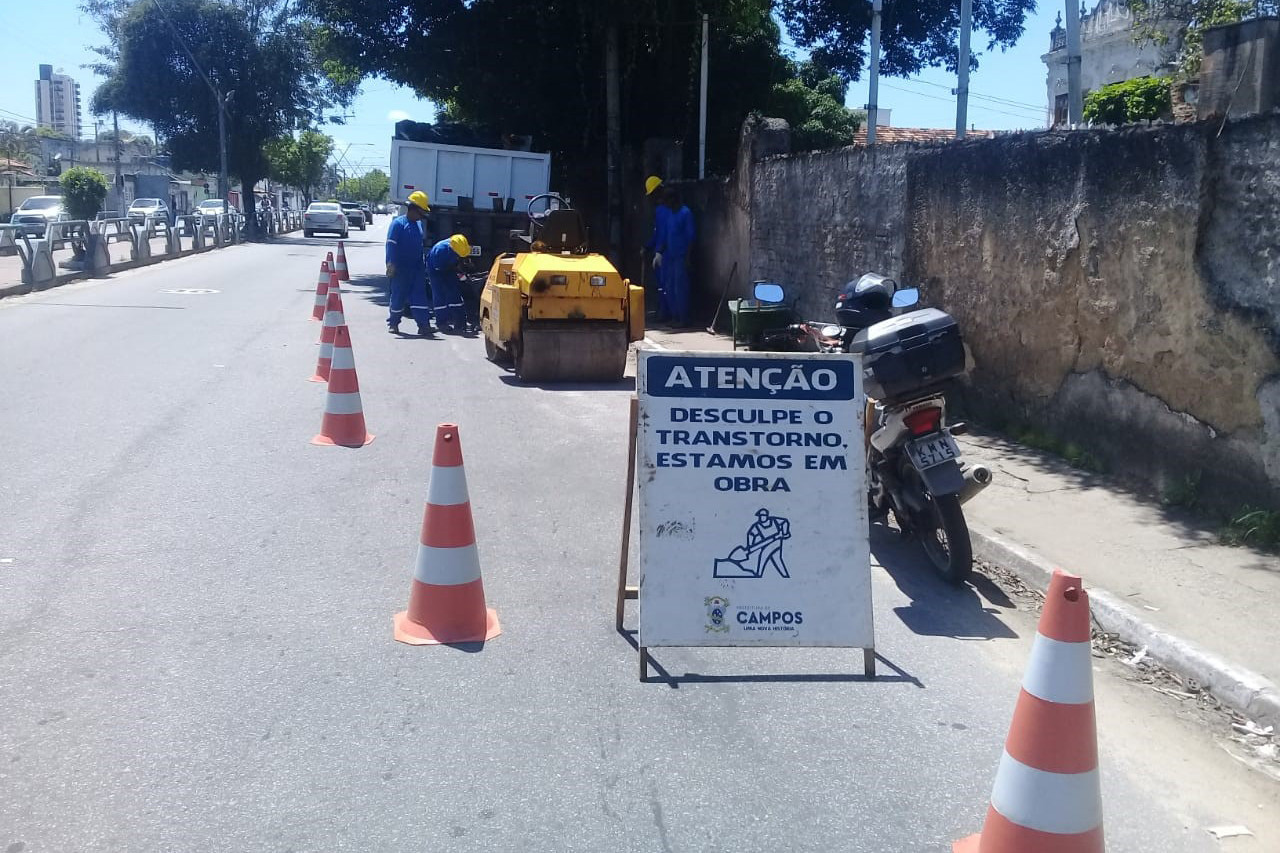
{"x":556,"y":311}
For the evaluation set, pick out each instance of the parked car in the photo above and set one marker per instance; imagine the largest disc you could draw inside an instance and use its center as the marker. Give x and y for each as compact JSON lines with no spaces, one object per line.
{"x":328,"y":217}
{"x":212,"y":207}
{"x":355,"y":215}
{"x":35,"y":214}
{"x":156,"y":208}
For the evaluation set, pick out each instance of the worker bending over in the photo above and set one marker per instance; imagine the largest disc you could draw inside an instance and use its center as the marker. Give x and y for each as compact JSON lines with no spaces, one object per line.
{"x":442,"y":269}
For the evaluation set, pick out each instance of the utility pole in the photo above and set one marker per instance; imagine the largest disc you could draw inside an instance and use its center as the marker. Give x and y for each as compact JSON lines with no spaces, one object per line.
{"x":1075,"y":97}
{"x":702,"y":103}
{"x":223,"y":185}
{"x":613,"y":144}
{"x":962,"y":89}
{"x":873,"y":88}
{"x":115,"y":125}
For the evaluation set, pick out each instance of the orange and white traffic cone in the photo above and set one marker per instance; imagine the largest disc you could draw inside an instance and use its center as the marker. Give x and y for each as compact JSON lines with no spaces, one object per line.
{"x":446,"y":600}
{"x":322,"y":288}
{"x":1046,"y":796}
{"x":343,"y":422}
{"x":333,"y":318}
{"x":343,"y":275}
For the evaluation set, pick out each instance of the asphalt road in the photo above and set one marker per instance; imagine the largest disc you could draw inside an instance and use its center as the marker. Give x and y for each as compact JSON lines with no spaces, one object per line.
{"x":195,"y":619}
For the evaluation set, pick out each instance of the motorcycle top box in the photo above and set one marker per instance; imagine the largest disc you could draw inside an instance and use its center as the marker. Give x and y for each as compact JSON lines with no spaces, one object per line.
{"x":909,"y":354}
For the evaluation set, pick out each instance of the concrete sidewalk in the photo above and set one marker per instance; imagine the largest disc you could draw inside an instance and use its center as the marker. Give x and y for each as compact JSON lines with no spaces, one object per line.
{"x":1158,"y":577}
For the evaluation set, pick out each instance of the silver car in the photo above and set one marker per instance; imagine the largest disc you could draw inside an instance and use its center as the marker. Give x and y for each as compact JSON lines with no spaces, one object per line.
{"x":325,"y":216}
{"x":152,"y":207}
{"x":34,"y":215}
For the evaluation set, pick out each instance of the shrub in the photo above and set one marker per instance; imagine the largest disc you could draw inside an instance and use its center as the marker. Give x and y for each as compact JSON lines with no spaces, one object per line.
{"x":1139,"y":99}
{"x":83,"y":192}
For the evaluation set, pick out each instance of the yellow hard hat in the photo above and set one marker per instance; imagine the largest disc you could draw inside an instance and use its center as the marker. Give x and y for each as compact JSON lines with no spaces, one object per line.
{"x":419,"y":199}
{"x":651,"y":183}
{"x":460,"y":245}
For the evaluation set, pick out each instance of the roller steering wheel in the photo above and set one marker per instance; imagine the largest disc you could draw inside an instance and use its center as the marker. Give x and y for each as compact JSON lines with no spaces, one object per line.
{"x":548,"y":197}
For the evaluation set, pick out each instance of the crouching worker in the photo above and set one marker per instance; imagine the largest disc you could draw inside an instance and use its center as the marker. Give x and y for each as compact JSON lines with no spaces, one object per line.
{"x":406,"y":266}
{"x":446,"y":292}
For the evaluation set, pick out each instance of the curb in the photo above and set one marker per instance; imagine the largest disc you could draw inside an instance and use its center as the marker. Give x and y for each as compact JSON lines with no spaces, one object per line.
{"x":1243,"y":690}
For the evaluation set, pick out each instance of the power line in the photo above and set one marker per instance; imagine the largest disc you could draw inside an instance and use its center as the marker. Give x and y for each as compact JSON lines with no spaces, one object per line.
{"x":920,"y":94}
{"x":974,"y":94}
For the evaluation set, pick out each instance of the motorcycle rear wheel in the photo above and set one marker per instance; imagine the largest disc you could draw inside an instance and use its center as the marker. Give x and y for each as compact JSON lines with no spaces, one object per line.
{"x":945,"y":537}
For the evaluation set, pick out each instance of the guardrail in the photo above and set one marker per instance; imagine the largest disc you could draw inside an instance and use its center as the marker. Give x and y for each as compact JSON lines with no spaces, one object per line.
{"x":90,"y":242}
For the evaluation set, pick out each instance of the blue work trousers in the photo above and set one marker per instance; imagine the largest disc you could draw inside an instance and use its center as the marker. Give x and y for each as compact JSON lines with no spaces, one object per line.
{"x":409,"y":296}
{"x":446,"y":295}
{"x":673,"y":278}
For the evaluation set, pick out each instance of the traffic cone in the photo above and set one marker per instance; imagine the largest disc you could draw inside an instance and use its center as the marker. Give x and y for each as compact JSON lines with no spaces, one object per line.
{"x":343,"y":275}
{"x":446,"y":600}
{"x":322,"y":288}
{"x":333,"y":288}
{"x":343,"y":421}
{"x":333,"y":318}
{"x":1046,"y":796}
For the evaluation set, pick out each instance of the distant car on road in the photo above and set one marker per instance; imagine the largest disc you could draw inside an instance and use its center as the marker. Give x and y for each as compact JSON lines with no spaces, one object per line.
{"x":153,"y":207}
{"x":212,"y":207}
{"x":328,"y":217}
{"x":355,"y":215}
{"x":34,"y":215}
{"x":368,"y":212}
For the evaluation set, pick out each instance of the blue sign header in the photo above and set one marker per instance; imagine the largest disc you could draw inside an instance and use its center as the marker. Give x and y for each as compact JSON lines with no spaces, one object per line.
{"x":750,"y":378}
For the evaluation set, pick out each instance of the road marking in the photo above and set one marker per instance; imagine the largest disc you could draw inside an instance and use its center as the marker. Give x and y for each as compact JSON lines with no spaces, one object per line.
{"x":191,"y":290}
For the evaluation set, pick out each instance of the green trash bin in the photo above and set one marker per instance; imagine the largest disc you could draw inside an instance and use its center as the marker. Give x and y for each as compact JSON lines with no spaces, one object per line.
{"x":750,"y":317}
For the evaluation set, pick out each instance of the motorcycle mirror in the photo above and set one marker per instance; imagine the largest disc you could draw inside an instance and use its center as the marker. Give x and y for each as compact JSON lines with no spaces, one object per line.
{"x":832,"y":331}
{"x":767,"y":291}
{"x":906,"y":297}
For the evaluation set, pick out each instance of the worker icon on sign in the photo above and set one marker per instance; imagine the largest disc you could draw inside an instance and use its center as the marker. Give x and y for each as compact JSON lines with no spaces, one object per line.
{"x":762,"y":552}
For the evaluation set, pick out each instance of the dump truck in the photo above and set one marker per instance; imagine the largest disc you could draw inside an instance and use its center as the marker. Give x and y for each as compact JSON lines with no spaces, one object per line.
{"x":481,"y":193}
{"x":555,"y":310}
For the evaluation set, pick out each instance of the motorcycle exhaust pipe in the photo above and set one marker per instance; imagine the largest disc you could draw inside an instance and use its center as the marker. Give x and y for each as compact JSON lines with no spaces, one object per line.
{"x":976,"y":478}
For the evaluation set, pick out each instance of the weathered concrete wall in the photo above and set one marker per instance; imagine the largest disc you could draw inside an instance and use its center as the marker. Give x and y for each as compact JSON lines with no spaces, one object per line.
{"x":1117,"y":288}
{"x":1079,"y":266}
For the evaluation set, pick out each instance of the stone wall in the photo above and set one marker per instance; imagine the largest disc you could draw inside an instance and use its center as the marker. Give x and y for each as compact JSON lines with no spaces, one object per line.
{"x":1118,"y":289}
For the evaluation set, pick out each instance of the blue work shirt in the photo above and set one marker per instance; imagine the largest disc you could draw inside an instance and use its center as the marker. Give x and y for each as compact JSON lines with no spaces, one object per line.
{"x":676,"y":235}
{"x":405,"y":244}
{"x":442,"y":261}
{"x":661,"y":214}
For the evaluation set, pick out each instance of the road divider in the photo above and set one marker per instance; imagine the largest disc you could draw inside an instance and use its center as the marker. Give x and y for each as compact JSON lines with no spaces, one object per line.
{"x":1047,"y":795}
{"x":446,"y":599}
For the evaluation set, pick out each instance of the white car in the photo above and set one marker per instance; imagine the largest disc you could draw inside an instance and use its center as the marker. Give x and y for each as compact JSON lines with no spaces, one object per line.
{"x":212,"y":207}
{"x":34,"y":215}
{"x":325,"y":216}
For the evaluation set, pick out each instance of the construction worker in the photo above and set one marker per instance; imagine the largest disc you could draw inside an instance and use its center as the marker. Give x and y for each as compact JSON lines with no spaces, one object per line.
{"x":671,"y":256}
{"x":660,"y":215}
{"x":442,"y":269}
{"x":767,"y":535}
{"x":406,"y":268}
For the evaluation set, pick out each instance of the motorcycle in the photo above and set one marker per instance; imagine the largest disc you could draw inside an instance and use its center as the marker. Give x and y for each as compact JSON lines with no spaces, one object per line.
{"x":914,"y":466}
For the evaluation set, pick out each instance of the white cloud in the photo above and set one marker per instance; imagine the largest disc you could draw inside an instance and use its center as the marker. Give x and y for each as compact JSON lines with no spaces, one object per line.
{"x":397,"y":115}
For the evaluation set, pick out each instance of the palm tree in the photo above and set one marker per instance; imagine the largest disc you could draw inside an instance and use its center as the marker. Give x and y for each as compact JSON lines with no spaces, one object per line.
{"x":18,"y":144}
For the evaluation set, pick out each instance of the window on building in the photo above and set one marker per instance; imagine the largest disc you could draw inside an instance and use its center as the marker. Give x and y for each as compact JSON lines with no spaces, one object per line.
{"x":1059,"y":110}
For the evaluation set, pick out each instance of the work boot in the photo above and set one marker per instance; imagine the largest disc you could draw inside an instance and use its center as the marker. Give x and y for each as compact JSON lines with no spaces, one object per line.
{"x":424,"y":330}
{"x":393,"y":327}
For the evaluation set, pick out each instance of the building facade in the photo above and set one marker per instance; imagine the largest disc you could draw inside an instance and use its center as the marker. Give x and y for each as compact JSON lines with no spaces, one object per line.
{"x":1109,"y":53}
{"x":58,"y":102}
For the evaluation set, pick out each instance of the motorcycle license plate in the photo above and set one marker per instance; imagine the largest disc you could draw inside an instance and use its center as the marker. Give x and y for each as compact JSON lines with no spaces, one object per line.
{"x":931,"y":451}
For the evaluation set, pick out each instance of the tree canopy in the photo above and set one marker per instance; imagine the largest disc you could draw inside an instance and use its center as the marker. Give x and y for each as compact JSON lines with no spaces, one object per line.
{"x":299,"y":162}
{"x":1181,"y":23}
{"x":19,"y":143}
{"x":257,"y":52}
{"x":373,"y":186}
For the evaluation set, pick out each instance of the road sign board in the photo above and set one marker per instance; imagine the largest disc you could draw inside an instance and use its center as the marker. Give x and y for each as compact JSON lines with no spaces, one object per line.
{"x":753,"y":508}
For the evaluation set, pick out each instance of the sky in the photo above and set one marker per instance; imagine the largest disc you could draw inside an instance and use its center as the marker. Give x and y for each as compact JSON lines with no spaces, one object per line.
{"x":55,"y":32}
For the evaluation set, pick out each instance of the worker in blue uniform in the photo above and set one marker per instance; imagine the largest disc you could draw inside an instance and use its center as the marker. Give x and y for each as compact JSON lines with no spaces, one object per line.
{"x":406,"y":267}
{"x":671,"y":257}
{"x":661,"y":213}
{"x":446,"y":293}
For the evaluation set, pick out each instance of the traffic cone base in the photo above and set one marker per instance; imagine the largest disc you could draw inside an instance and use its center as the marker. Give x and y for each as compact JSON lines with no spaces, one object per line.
{"x":446,"y":598}
{"x":1047,"y":796}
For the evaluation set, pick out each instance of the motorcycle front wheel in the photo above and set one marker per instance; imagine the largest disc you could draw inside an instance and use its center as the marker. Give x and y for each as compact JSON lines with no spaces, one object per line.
{"x":945,"y":537}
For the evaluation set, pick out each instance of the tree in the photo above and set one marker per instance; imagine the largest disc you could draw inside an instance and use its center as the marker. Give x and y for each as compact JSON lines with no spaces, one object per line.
{"x":20,"y":144}
{"x":299,"y":162}
{"x":373,"y":187}
{"x":915,"y":34}
{"x":1140,"y":99}
{"x":260,"y":50}
{"x":83,"y":191}
{"x":812,"y":102}
{"x":545,"y":78}
{"x":1181,"y":24}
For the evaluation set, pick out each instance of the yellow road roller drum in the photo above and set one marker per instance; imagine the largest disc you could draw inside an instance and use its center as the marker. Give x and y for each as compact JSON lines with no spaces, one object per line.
{"x":557,"y":312}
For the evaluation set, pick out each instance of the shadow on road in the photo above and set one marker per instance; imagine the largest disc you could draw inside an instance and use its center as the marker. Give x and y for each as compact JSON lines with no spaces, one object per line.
{"x":627,"y":383}
{"x":674,"y":681}
{"x":937,"y":608}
